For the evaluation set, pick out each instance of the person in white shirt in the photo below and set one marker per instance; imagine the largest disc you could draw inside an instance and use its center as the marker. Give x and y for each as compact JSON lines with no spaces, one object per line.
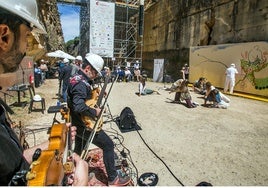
{"x":230,"y":78}
{"x":143,"y":90}
{"x":128,"y":75}
{"x":77,"y":64}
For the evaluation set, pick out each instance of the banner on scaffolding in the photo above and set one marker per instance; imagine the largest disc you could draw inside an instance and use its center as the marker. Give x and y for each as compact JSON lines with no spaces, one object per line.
{"x":102,"y":15}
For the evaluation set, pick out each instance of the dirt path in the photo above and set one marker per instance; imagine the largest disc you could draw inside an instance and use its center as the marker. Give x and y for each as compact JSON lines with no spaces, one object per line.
{"x":226,"y":147}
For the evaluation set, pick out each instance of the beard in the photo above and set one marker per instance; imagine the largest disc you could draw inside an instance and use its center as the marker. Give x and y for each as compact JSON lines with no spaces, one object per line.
{"x":10,"y":61}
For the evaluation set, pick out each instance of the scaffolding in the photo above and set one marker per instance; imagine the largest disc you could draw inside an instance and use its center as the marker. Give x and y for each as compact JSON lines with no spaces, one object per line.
{"x":128,"y":39}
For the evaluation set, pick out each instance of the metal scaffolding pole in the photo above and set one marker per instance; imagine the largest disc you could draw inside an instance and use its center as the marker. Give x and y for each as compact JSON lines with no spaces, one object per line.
{"x":127,"y":39}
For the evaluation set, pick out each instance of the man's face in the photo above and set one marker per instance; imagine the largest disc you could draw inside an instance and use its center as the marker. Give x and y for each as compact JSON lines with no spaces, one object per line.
{"x":15,"y":50}
{"x":78,"y":62}
{"x":91,"y":72}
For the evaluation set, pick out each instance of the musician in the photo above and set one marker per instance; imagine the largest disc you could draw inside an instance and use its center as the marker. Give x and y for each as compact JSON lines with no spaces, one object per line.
{"x":17,"y":20}
{"x":79,"y":91}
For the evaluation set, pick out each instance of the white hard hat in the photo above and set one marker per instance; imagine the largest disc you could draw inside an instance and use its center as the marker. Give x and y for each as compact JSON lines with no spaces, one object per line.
{"x":96,"y":61}
{"x":27,"y":10}
{"x":233,"y":65}
{"x":65,"y":60}
{"x":79,"y":58}
{"x":37,"y":98}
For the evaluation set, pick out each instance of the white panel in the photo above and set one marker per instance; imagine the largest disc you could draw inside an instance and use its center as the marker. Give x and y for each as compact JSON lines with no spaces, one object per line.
{"x":158,"y":70}
{"x":102,"y":28}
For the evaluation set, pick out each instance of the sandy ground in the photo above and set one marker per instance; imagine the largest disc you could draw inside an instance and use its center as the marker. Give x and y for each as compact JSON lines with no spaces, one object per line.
{"x":226,"y":147}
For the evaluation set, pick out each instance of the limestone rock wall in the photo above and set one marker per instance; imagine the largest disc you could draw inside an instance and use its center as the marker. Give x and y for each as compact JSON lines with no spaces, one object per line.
{"x":171,"y":27}
{"x":51,"y":18}
{"x":39,"y":45}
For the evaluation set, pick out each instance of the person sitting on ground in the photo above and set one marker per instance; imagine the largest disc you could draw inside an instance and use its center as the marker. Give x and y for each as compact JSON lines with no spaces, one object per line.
{"x":185,"y":94}
{"x":175,"y":87}
{"x":214,"y":95}
{"x":128,"y":75}
{"x":142,"y":88}
{"x":120,"y":73}
{"x":182,"y":92}
{"x":137,"y":74}
{"x":199,"y":86}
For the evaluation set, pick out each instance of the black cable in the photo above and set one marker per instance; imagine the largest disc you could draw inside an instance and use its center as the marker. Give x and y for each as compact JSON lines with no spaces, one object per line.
{"x":149,"y":149}
{"x":26,"y":131}
{"x":33,"y":131}
{"x":158,"y":157}
{"x":120,"y":138}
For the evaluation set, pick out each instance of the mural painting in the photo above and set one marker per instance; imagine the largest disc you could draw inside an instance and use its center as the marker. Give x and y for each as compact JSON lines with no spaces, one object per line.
{"x":251,"y":60}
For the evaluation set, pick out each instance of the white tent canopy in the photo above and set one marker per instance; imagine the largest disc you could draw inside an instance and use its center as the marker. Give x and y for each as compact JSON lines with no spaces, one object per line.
{"x":60,"y":54}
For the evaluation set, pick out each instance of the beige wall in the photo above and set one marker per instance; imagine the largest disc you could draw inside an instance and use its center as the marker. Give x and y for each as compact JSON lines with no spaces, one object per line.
{"x":9,"y":79}
{"x":251,"y":60}
{"x":172,"y":27}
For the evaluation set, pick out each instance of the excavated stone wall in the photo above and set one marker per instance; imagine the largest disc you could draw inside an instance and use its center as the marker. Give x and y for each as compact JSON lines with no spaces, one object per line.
{"x":172,"y":27}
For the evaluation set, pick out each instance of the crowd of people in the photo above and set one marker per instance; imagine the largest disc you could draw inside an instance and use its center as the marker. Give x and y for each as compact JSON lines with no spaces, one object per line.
{"x":212,"y":96}
{"x":127,"y":74}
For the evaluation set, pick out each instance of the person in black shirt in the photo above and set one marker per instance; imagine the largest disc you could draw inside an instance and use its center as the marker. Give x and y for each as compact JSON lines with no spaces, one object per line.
{"x":79,"y":91}
{"x":64,"y":76}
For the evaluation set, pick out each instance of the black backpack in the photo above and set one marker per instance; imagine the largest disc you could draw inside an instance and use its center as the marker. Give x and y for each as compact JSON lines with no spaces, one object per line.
{"x":127,"y":119}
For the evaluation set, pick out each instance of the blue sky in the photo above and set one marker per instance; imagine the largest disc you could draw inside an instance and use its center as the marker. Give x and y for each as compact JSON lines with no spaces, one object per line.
{"x":69,"y":16}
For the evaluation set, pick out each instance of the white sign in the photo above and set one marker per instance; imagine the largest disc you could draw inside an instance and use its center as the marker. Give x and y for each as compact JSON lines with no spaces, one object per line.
{"x":158,"y":70}
{"x":102,"y":28}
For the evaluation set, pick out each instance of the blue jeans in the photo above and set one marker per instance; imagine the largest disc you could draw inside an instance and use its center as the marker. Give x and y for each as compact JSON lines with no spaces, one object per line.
{"x":103,"y":141}
{"x":64,"y":92}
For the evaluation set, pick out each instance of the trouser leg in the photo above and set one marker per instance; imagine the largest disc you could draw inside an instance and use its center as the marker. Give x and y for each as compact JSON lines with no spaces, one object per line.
{"x":177,"y":96}
{"x":103,"y":141}
{"x":232,"y":83}
{"x":226,"y":85}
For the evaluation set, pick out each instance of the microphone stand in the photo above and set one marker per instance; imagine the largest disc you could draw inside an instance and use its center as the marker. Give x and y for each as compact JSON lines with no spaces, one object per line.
{"x":23,"y":73}
{"x":5,"y":94}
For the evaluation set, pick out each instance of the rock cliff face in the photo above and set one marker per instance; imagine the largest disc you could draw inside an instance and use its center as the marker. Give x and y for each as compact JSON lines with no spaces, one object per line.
{"x":51,"y":19}
{"x":171,"y":27}
{"x":54,"y":39}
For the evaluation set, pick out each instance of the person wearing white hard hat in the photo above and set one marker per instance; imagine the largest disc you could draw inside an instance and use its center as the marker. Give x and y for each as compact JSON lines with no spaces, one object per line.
{"x":78,"y":61}
{"x":77,"y":64}
{"x":17,"y":20}
{"x":80,"y":90}
{"x":230,"y":78}
{"x":65,"y":60}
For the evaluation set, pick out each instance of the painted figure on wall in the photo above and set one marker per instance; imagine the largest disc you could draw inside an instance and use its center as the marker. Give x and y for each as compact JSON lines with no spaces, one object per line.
{"x":252,"y":62}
